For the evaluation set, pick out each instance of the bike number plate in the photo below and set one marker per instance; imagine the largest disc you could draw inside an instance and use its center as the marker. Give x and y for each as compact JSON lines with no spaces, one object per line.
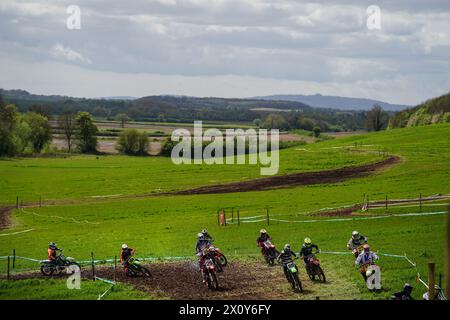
{"x":291,"y":266}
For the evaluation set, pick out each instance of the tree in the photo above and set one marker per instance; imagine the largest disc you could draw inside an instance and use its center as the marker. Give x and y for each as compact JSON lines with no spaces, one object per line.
{"x":275,"y":121}
{"x":132,"y":142}
{"x":67,"y":123}
{"x":316,"y":131}
{"x":257,"y":122}
{"x":86,"y":133}
{"x":122,"y":118}
{"x":8,"y":124}
{"x":377,"y":119}
{"x":42,"y":109}
{"x":40,"y":131}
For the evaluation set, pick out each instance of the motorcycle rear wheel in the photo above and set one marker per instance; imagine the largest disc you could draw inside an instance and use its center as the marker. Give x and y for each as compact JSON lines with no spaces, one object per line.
{"x":212,"y":281}
{"x":47,"y":270}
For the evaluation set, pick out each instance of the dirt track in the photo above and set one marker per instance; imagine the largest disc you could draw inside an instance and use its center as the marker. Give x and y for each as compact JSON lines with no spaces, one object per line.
{"x":4,"y":217}
{"x":182,"y":281}
{"x":290,"y":180}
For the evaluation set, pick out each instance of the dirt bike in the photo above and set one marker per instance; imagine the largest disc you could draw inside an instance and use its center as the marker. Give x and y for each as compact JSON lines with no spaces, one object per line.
{"x":219,"y":257}
{"x":60,"y":264}
{"x":209,"y":269}
{"x":134,"y":268}
{"x":270,"y":252}
{"x":292,"y":274}
{"x":314,"y":269}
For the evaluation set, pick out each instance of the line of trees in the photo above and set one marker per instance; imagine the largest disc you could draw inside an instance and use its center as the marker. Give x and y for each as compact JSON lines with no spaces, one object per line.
{"x":31,"y":132}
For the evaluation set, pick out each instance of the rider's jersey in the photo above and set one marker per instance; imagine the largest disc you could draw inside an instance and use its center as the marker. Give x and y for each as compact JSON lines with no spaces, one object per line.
{"x":202,"y":244}
{"x":286,"y":256}
{"x":126,"y":254}
{"x":52,"y":253}
{"x":353,"y":243}
{"x":366,"y":258}
{"x":307,"y":250}
{"x":263,"y":238}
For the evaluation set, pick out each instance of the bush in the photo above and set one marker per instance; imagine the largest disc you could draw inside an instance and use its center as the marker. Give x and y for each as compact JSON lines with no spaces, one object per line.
{"x":86,"y":133}
{"x":133,"y":142}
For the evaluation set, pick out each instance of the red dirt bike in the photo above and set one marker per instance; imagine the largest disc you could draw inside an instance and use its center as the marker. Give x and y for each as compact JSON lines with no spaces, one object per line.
{"x":270,"y":252}
{"x":313,"y":269}
{"x":209,"y":269}
{"x":219,"y":257}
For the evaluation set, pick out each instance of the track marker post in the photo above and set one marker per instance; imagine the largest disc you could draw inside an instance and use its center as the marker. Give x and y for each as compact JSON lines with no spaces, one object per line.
{"x":8,"y":272}
{"x":268,"y":218}
{"x":14,"y":259}
{"x":232,"y":214}
{"x":420,"y":201}
{"x":93,"y":266}
{"x":115,"y":267}
{"x":386,"y":203}
{"x":40,"y":201}
{"x":431,"y":280}
{"x":239,"y":220}
{"x":17,"y":202}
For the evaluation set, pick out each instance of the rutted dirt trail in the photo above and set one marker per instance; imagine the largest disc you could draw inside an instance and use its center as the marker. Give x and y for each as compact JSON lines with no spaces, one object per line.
{"x":290,"y":180}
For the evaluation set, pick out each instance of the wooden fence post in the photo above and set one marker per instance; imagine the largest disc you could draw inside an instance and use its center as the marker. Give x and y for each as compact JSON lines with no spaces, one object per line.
{"x":93,"y":266}
{"x":239,"y":220}
{"x":448,"y":255}
{"x":431,"y":280}
{"x":268,"y":218}
{"x":420,"y":201}
{"x":8,"y":271}
{"x":115,"y":267}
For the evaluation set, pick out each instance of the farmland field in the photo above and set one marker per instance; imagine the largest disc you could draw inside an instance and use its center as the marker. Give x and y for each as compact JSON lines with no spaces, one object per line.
{"x":96,"y":203}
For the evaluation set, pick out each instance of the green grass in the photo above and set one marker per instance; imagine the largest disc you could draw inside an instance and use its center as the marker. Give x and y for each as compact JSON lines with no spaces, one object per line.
{"x":56,"y":289}
{"x":166,"y":226}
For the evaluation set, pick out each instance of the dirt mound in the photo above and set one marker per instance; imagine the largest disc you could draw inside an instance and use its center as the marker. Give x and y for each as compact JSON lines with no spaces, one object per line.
{"x":290,"y":180}
{"x":4,"y":217}
{"x":182,"y":280}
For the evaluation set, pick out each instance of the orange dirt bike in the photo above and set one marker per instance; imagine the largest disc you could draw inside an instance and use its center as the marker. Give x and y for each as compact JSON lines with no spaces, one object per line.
{"x":270,"y":252}
{"x":209,"y":269}
{"x":313,"y":269}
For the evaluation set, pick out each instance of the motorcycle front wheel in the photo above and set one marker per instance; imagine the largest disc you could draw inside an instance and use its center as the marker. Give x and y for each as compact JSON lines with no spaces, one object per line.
{"x":47,"y":270}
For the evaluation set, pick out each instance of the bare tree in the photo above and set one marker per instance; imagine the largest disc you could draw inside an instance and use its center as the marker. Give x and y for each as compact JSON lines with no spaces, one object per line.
{"x":67,"y":123}
{"x":377,"y":119}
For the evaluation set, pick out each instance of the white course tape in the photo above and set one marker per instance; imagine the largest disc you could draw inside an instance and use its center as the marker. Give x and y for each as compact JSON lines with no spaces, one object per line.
{"x":14,"y":233}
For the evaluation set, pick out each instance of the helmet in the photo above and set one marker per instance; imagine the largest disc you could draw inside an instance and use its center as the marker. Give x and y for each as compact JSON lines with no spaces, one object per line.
{"x":366,"y":248}
{"x":308,"y":241}
{"x":124,"y":246}
{"x":263,"y":231}
{"x":52,"y":245}
{"x":287,"y":246}
{"x":355,"y":235}
{"x":204,"y":231}
{"x":407,"y":287}
{"x":199,"y":235}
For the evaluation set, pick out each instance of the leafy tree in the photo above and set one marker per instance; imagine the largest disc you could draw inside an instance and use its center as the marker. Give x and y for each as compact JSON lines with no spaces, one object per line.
{"x":122,"y":118}
{"x":316,"y":131}
{"x":257,"y":122}
{"x":8,"y":124}
{"x":133,"y":142}
{"x":42,"y":109}
{"x":377,"y":119}
{"x":40,"y":131}
{"x":275,"y":121}
{"x":86,"y":133}
{"x":67,"y":123}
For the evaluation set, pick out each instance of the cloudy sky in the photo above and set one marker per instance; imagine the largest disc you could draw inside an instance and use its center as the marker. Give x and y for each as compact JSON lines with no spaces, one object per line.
{"x":229,"y":48}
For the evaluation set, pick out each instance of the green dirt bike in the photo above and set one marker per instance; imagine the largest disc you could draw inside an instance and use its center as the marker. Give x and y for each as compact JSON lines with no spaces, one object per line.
{"x":60,"y":264}
{"x":292,"y":275}
{"x":135,"y":268}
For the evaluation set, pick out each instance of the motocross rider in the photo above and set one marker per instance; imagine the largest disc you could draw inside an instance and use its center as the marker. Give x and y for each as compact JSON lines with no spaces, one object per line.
{"x":52,"y":252}
{"x":285,"y":257}
{"x":355,"y":241}
{"x":125,"y":255}
{"x":365,"y":258}
{"x":405,"y":294}
{"x":307,"y":250}
{"x":263,"y":237}
{"x":207,"y":236}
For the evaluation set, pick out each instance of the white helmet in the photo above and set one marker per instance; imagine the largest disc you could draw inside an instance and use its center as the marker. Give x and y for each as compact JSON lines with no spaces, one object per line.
{"x":287,"y":246}
{"x":204,"y":231}
{"x":124,"y":246}
{"x":355,"y":234}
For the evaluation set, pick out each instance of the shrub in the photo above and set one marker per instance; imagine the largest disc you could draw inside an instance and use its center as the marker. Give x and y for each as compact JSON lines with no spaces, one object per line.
{"x":133,"y":142}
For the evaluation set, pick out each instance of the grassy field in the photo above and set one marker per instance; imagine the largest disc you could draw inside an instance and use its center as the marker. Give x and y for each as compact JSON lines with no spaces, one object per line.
{"x":167,"y":225}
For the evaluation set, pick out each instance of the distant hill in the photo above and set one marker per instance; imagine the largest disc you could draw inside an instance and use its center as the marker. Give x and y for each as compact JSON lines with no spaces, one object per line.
{"x":118,"y":98}
{"x":335,"y":102}
{"x":435,"y":110}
